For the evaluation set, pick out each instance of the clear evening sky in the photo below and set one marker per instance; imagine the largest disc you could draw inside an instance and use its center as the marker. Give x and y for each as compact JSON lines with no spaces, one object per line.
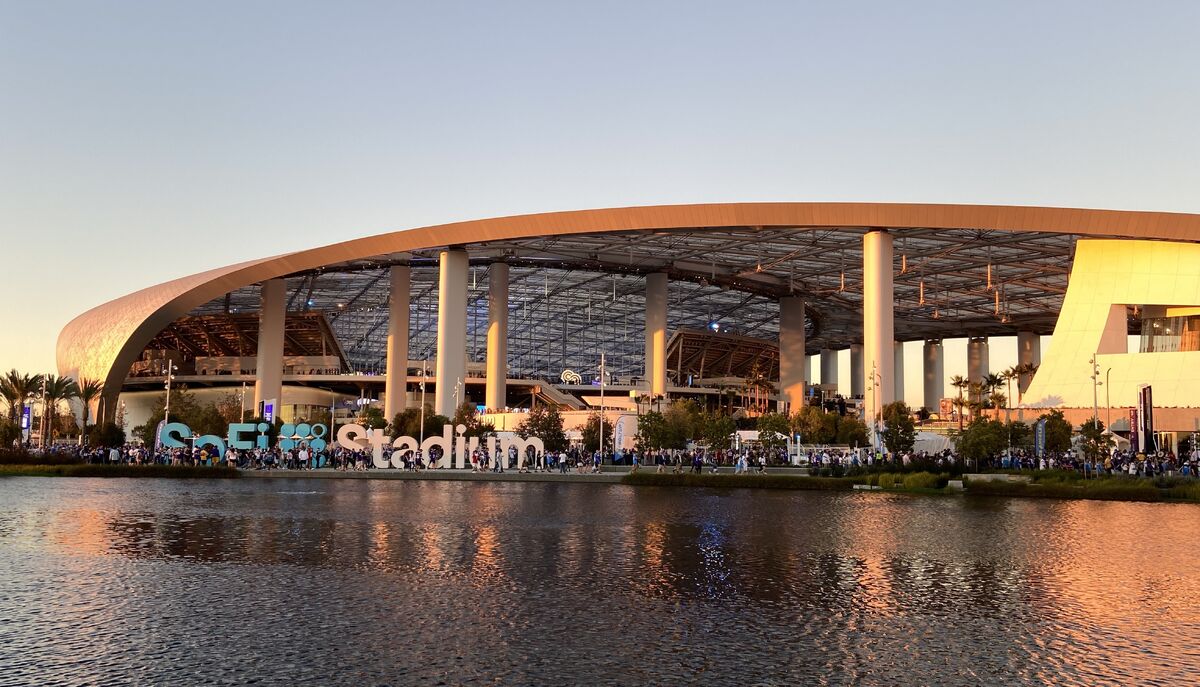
{"x":143,"y":141}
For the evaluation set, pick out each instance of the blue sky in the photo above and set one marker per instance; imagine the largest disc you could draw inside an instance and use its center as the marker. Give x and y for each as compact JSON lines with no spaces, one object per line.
{"x":143,"y":141}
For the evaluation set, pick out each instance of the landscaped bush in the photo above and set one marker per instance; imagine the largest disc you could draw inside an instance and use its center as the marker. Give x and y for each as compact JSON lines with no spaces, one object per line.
{"x":925,"y":480}
{"x":101,"y":470}
{"x":23,"y":457}
{"x":887,"y":480}
{"x":1110,"y":489}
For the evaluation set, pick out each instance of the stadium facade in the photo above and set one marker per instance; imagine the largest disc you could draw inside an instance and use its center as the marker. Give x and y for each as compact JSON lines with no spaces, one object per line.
{"x":686,"y":300}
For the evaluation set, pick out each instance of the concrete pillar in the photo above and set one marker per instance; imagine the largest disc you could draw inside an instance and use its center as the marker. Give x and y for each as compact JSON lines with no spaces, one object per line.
{"x":857,"y":378}
{"x":395,"y":390}
{"x":451,"y":364}
{"x":977,"y":359}
{"x":829,"y":366}
{"x":656,"y":332}
{"x":268,"y":378}
{"x":878,"y":327}
{"x":497,"y":337}
{"x":898,"y":369}
{"x":1029,"y":352}
{"x":934,"y":374}
{"x":792,"y":359}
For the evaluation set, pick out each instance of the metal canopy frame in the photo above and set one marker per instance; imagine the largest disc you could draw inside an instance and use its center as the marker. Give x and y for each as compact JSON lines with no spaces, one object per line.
{"x":571,"y":297}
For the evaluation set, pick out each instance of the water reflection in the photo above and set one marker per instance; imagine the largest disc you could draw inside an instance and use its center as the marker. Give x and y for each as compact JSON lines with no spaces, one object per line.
{"x":715,"y":586}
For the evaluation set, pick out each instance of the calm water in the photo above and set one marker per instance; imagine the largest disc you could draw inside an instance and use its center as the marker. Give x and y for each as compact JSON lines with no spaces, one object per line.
{"x":383,"y":582}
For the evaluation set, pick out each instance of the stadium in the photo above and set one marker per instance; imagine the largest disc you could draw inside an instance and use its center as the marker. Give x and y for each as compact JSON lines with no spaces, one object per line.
{"x":760,"y":305}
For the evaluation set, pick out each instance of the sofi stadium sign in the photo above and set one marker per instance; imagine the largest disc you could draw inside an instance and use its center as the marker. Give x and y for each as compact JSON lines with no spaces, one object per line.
{"x":454,"y":446}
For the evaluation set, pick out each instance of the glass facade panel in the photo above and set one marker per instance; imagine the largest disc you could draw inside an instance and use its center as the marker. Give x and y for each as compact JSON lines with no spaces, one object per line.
{"x":1171,"y":334}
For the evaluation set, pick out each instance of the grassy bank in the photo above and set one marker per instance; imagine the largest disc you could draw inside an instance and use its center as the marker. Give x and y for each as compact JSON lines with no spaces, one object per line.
{"x":1056,"y":485}
{"x":1103,"y":489}
{"x":99,"y":470}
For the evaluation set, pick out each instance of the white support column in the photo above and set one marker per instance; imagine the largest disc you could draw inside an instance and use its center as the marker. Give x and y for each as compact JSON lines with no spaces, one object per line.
{"x":1029,"y":352}
{"x":268,"y":378}
{"x":878,"y":327}
{"x":395,"y":390}
{"x":829,"y":366}
{"x":898,"y":369}
{"x":792,"y":359}
{"x":497,"y":337}
{"x":977,"y":359}
{"x":451,"y":364}
{"x":857,"y":378}
{"x":935,"y":377}
{"x":656,"y":332}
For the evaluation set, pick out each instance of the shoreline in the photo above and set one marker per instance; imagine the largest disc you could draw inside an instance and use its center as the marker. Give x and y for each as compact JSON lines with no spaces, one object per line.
{"x":915,"y":484}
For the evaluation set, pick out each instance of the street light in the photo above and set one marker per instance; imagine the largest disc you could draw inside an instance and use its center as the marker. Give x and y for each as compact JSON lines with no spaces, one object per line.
{"x":167,"y":408}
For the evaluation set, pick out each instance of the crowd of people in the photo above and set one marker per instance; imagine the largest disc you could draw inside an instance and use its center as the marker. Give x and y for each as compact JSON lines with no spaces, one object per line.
{"x":752,"y":458}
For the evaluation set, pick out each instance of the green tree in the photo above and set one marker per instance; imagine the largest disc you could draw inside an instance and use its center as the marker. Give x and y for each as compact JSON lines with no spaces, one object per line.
{"x":184,"y":408}
{"x":468,"y":416}
{"x":899,"y":431}
{"x":960,"y":383}
{"x":88,"y":390}
{"x":982,"y":439}
{"x":773,"y":430}
{"x":851,"y":431}
{"x":371,"y":417}
{"x":1093,"y":441}
{"x":17,"y":389}
{"x":815,"y":426}
{"x":208,"y":420}
{"x":683,"y":422}
{"x":716,"y":430}
{"x":9,"y":432}
{"x":653,"y":432}
{"x":56,"y":390}
{"x":407,"y":423}
{"x":545,"y":423}
{"x":591,"y":433}
{"x":1058,"y":432}
{"x":107,"y":435}
{"x":1020,"y":434}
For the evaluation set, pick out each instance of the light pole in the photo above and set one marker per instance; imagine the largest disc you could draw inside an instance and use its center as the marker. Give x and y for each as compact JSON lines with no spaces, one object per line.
{"x":1095,"y":389}
{"x":42,"y":432}
{"x":167,"y":408}
{"x":602,"y":407}
{"x":1108,"y":397}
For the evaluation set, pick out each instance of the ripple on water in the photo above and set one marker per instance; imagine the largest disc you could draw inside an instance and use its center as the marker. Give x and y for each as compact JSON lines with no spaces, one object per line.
{"x":360,"y":582}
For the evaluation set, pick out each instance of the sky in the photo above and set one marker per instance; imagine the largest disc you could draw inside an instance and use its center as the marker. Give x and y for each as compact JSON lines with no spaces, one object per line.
{"x":145,"y":141}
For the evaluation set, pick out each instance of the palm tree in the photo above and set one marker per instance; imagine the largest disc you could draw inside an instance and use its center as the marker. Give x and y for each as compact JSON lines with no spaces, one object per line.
{"x":57,"y":390}
{"x":1008,"y":376}
{"x":17,"y":388}
{"x":997,"y":399}
{"x":960,"y":405}
{"x":87,"y":390}
{"x":959,"y":382}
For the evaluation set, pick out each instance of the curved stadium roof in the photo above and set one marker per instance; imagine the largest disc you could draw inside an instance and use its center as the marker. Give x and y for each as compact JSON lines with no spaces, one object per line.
{"x":577,"y":278}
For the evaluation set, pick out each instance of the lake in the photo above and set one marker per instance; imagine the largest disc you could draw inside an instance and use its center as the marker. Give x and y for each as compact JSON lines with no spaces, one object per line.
{"x":364,"y":582}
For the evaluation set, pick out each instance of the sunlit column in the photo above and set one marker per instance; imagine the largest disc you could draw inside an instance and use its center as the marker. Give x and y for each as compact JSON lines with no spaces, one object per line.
{"x":934,"y":375}
{"x":395,"y":391}
{"x":977,"y":359}
{"x":656,"y":332}
{"x":497,"y":337}
{"x":1029,"y":352}
{"x":792,"y":359}
{"x":268,"y":378}
{"x":829,"y":366}
{"x":898,"y":369}
{"x":878,"y":327}
{"x":856,"y":370}
{"x":451,"y":368}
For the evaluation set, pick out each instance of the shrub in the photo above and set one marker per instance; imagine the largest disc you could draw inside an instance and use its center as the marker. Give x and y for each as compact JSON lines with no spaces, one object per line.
{"x":887,"y":480}
{"x":23,"y":457}
{"x":925,"y":480}
{"x":101,"y":470}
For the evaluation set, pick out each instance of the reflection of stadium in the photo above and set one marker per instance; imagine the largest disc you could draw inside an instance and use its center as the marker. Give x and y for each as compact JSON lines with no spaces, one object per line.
{"x":683,"y":300}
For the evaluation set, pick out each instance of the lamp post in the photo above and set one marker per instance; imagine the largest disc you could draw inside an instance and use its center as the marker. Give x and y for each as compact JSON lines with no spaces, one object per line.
{"x":1095,"y":389}
{"x":42,"y":432}
{"x":167,"y":408}
{"x":1108,"y":397}
{"x":602,"y":407}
